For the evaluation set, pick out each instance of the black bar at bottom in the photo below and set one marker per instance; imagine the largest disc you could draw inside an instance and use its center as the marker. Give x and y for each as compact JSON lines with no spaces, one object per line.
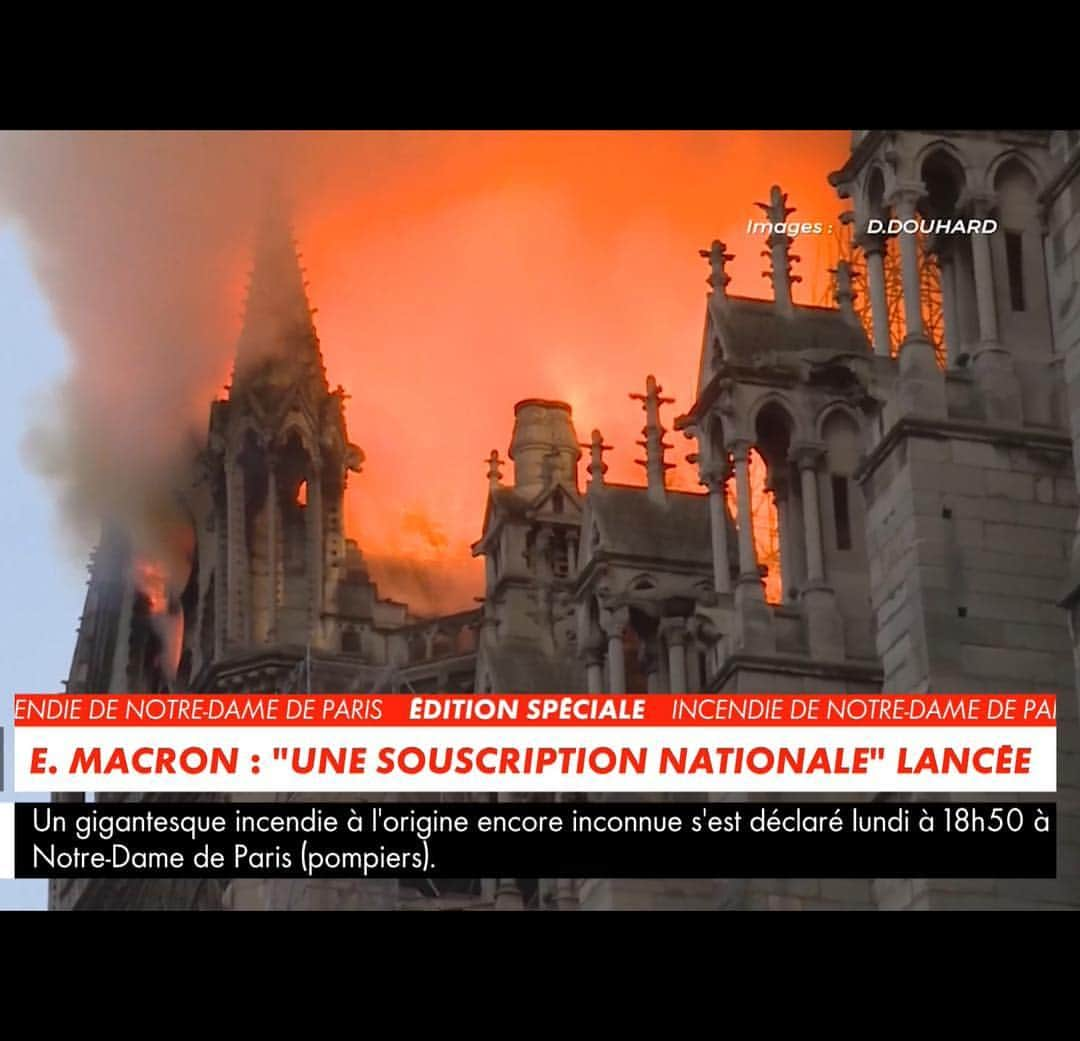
{"x":538,"y":840}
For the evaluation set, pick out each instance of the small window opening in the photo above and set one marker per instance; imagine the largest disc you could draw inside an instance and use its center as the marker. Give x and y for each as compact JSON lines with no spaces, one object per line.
{"x":1014,"y":259}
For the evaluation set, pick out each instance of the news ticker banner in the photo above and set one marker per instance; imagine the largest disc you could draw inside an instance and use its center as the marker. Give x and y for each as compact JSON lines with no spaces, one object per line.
{"x":533,"y":840}
{"x":583,"y":743}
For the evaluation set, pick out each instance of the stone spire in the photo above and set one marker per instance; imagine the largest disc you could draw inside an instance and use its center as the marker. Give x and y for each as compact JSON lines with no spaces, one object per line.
{"x":494,"y":473}
{"x":278,"y":345}
{"x":717,"y":256}
{"x":778,"y":211}
{"x":654,"y":444}
{"x":845,"y":292}
{"x":543,"y":446}
{"x":597,"y":467}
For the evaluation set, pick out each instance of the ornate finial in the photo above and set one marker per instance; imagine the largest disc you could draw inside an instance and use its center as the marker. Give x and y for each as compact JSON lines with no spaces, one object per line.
{"x":845,"y":292}
{"x":494,"y":474}
{"x":717,"y":256}
{"x":654,"y":444}
{"x":778,"y":211}
{"x":597,"y":466}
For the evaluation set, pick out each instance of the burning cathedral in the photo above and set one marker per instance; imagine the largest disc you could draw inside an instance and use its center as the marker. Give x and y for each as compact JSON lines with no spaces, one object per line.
{"x":926,"y":512}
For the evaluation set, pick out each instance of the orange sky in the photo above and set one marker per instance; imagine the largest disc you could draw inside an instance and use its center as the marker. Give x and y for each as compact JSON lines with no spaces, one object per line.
{"x":489,"y":267}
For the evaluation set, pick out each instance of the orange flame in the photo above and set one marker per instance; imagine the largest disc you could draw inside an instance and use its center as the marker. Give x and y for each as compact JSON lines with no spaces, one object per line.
{"x":534,"y":247}
{"x":150,"y":580}
{"x":766,"y":523}
{"x":301,"y":494}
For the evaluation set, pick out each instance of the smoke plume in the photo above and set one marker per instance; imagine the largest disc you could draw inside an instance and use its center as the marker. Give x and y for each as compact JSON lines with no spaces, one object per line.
{"x":454,"y":274}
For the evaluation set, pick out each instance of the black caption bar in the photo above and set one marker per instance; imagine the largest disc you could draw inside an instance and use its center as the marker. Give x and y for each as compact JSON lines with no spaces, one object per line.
{"x":538,"y":840}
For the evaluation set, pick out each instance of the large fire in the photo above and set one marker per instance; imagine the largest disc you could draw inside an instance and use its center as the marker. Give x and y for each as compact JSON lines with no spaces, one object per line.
{"x":535,"y":265}
{"x":454,"y":273}
{"x":151,"y":580}
{"x":766,"y":525}
{"x":158,"y":583}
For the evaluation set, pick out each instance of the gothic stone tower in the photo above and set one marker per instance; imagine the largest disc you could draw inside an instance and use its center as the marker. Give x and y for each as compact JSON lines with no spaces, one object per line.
{"x":276,"y":467}
{"x":789,"y":382}
{"x":277,"y":598}
{"x":1061,"y":201}
{"x":592,"y":591}
{"x":967,"y":476}
{"x":926,"y":514}
{"x":277,"y":584}
{"x":530,"y":542}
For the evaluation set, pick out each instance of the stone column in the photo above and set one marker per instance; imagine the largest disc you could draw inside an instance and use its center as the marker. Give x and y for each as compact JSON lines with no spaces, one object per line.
{"x":778,"y":484}
{"x":984,"y":278}
{"x":950,"y":317}
{"x":674,"y":633}
{"x":753,"y":617}
{"x":807,"y":456}
{"x":993,"y":364}
{"x":905,"y":201}
{"x":271,"y":550}
{"x":705,"y":638}
{"x":616,"y":623}
{"x":716,"y":481}
{"x":920,"y":388}
{"x":748,"y":565}
{"x":824,"y":626}
{"x":236,"y":575}
{"x":781,"y":275}
{"x":594,"y":669}
{"x":649,"y":652}
{"x":873,"y":247}
{"x":315,"y":549}
{"x":221,"y":582}
{"x":694,"y":680}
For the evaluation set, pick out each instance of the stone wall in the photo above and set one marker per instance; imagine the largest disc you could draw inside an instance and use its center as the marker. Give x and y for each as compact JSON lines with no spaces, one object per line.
{"x":969,"y":532}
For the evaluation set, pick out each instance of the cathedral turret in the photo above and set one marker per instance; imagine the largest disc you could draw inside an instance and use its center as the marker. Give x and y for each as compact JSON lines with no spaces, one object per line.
{"x":277,"y":463}
{"x":779,"y":242}
{"x":544,"y":447}
{"x":655,"y":446}
{"x":597,"y":466}
{"x":278,"y":346}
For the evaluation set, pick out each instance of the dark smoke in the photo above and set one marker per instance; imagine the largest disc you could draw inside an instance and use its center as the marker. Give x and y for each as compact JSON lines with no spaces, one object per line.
{"x":456,"y":273}
{"x":133,"y":238}
{"x":141,"y":242}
